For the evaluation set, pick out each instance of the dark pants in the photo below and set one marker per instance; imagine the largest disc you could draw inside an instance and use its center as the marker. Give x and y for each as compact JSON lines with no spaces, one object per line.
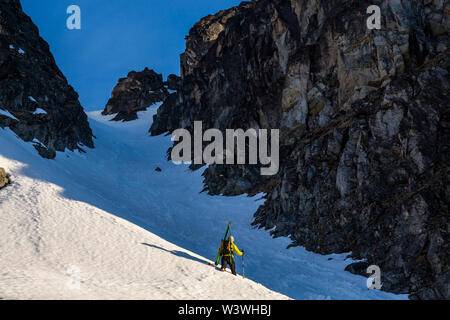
{"x":230,"y":261}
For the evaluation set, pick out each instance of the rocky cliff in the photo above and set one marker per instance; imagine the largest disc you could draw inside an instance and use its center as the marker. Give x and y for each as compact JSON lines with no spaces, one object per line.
{"x":364,"y":122}
{"x":136,"y":92}
{"x":36,"y":102}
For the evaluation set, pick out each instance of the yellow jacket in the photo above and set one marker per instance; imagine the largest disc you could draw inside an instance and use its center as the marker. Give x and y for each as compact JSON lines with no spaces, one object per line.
{"x":233,"y":248}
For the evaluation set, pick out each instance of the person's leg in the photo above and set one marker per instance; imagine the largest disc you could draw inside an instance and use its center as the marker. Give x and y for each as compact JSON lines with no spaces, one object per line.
{"x":233,"y":267}
{"x":224,"y":263}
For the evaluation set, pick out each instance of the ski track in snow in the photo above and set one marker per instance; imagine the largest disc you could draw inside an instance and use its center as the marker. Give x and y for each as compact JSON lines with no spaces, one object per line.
{"x":107,"y":218}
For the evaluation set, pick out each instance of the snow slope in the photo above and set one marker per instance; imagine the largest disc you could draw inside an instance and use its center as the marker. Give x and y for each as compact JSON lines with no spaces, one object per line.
{"x":105,"y":225}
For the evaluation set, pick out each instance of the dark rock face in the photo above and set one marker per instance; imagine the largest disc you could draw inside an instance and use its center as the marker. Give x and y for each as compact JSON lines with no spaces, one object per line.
{"x":36,"y":102}
{"x":174,"y":82}
{"x":136,"y":92}
{"x":364,"y":126}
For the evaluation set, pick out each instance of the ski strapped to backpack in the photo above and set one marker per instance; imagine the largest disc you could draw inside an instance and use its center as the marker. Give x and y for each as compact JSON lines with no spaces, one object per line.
{"x":228,"y":231}
{"x":225,"y":242}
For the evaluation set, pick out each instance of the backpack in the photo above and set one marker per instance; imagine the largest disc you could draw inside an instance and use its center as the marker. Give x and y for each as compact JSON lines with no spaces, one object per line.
{"x":226,"y":247}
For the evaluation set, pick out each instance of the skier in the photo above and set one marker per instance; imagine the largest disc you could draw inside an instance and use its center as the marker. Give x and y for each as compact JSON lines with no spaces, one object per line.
{"x":226,"y":250}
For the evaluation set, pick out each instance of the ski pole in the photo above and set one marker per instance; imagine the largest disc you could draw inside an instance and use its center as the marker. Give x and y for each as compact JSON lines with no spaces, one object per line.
{"x":243,"y":270}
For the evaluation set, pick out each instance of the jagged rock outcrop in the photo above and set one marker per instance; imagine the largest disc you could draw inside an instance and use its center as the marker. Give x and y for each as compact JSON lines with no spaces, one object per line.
{"x":136,"y":92}
{"x":3,"y":178}
{"x":36,"y":102}
{"x":364,"y":121}
{"x":174,"y":82}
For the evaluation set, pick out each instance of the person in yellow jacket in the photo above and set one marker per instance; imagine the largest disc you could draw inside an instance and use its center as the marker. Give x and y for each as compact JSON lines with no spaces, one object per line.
{"x":226,"y":251}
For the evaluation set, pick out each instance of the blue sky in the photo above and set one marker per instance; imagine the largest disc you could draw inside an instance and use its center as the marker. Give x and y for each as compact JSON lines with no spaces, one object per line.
{"x":117,"y":36}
